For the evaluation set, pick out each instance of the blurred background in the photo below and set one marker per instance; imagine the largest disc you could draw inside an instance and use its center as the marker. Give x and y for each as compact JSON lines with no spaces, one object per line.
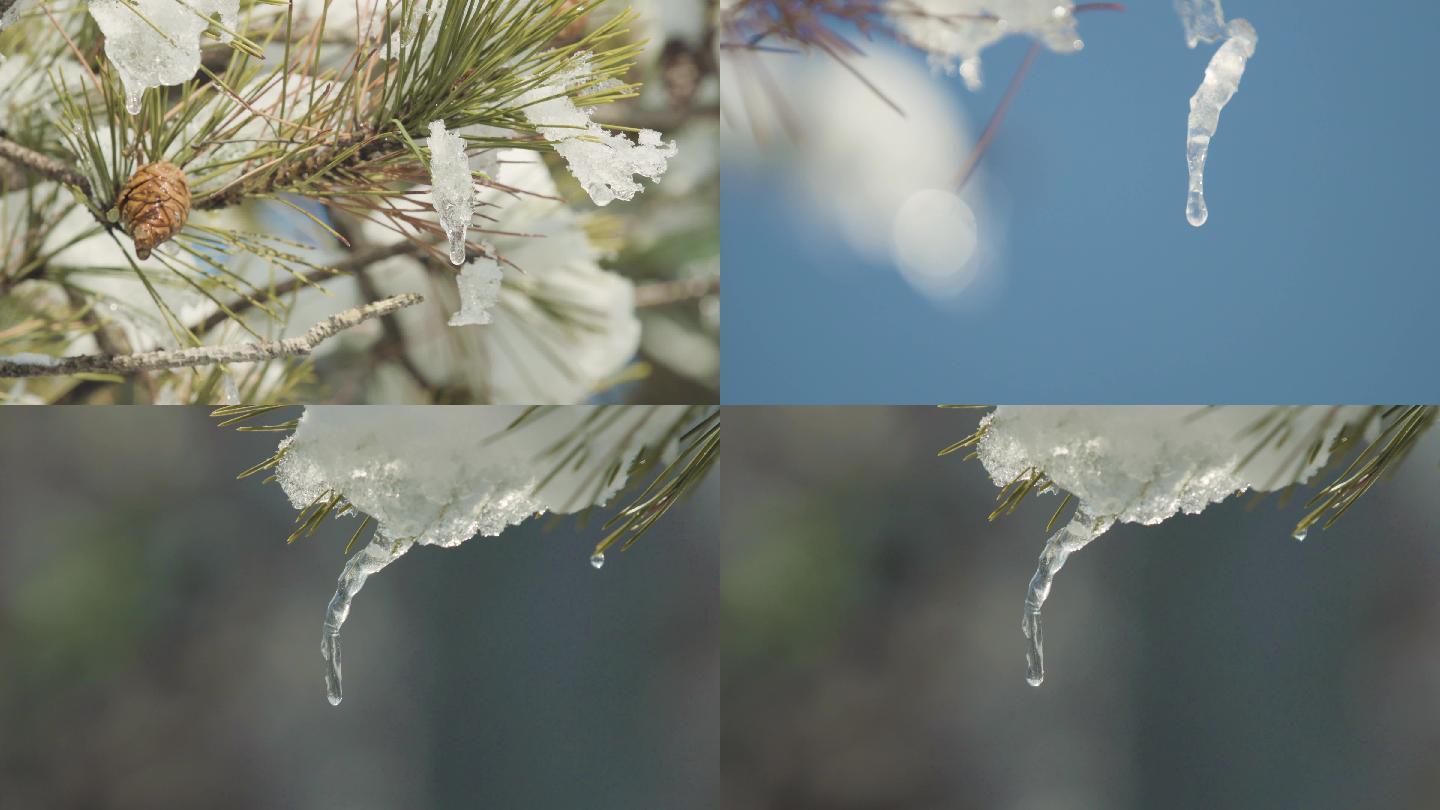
{"x":1073,"y":232}
{"x":159,"y":642}
{"x":873,"y":655}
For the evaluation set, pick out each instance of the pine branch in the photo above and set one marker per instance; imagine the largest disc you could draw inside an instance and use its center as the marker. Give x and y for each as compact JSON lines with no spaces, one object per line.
{"x":350,"y":264}
{"x":43,"y":165}
{"x":210,"y":355}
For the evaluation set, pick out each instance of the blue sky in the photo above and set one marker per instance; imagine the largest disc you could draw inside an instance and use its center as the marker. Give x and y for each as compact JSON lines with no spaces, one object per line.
{"x":1313,"y":281}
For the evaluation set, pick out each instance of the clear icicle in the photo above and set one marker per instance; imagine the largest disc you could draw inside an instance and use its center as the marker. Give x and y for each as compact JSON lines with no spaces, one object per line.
{"x":380,"y":552}
{"x":1222,"y":79}
{"x":1081,"y":529}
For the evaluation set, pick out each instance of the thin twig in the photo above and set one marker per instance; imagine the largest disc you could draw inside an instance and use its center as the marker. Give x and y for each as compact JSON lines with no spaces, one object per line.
{"x":660,"y":293}
{"x":999,"y":115}
{"x":43,"y":164}
{"x":210,"y":355}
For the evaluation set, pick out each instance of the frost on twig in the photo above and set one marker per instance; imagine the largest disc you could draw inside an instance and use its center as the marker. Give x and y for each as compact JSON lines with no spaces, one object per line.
{"x":439,"y":476}
{"x":1205,"y":22}
{"x":954,"y":32}
{"x":157,"y":42}
{"x":1144,"y":465}
{"x":28,"y":366}
{"x":452,"y":189}
{"x":603,"y":162}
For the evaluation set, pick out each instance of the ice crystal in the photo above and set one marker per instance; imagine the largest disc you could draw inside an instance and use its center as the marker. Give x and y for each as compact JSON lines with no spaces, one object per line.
{"x":452,"y":191}
{"x":1144,"y":465}
{"x":954,"y":32}
{"x":404,"y":34}
{"x":157,"y":42}
{"x":479,"y":284}
{"x":604,"y":163}
{"x":439,"y":476}
{"x":1204,"y":21}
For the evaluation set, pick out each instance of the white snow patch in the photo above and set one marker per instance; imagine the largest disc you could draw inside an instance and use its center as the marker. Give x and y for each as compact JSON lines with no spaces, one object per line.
{"x":1145,"y":464}
{"x":479,"y":285}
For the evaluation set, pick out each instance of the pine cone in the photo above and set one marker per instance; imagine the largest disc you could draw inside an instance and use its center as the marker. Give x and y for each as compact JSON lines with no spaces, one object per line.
{"x":154,"y":205}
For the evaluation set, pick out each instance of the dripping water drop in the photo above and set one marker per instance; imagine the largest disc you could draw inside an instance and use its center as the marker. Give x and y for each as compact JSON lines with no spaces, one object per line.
{"x":1195,"y":212}
{"x":597,"y":560}
{"x":1300,"y":535}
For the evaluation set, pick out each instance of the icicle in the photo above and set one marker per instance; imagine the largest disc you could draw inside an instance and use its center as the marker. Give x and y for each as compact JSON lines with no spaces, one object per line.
{"x":1222,"y":79}
{"x":597,"y":560}
{"x":1081,"y":529}
{"x":451,"y":189}
{"x":380,"y":552}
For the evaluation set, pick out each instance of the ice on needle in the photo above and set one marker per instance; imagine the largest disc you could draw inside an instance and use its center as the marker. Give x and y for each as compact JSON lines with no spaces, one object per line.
{"x":1144,"y":465}
{"x":1203,"y":22}
{"x":954,"y":32}
{"x":604,"y":163}
{"x":157,"y":42}
{"x":452,"y":190}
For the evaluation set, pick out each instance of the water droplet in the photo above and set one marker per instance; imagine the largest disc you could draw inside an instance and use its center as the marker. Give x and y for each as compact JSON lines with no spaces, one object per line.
{"x":597,"y":561}
{"x":1300,"y":534}
{"x":1195,"y":212}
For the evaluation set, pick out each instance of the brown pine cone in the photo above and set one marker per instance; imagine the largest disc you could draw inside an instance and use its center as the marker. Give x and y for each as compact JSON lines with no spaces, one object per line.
{"x":154,"y":205}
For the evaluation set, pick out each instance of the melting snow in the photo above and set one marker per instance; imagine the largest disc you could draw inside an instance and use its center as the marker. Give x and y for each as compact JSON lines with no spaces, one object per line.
{"x":163,"y":46}
{"x":439,"y":476}
{"x":1143,"y":465}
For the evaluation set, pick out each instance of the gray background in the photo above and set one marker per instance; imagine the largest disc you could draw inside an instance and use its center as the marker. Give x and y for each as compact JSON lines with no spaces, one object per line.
{"x":873,"y":656}
{"x":159,"y":643}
